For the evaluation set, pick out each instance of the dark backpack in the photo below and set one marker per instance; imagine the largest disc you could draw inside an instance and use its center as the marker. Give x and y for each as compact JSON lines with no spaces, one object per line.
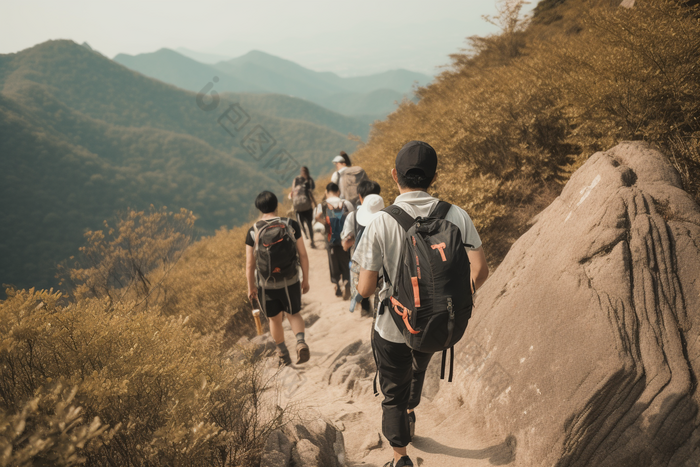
{"x":300,"y":195}
{"x":359,"y":229}
{"x":335,"y":220}
{"x":432,"y":299}
{"x":276,"y":256}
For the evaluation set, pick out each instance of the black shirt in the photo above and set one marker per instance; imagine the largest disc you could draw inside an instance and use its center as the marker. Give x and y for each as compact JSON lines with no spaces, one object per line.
{"x":250,"y":235}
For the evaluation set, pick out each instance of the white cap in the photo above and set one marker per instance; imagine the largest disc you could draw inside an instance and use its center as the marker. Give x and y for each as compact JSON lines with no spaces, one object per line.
{"x":338,"y":159}
{"x":370,"y":208}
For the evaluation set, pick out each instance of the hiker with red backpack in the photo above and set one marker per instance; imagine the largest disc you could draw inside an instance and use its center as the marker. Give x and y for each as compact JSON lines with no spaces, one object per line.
{"x":333,"y":214}
{"x":347,"y":177}
{"x":429,"y":255}
{"x":274,"y":251}
{"x":302,"y":196}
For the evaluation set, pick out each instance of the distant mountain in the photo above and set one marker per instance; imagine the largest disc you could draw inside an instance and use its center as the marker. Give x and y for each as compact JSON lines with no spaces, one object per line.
{"x":83,"y":137}
{"x":171,"y":67}
{"x":201,"y":56}
{"x":278,"y":105}
{"x":373,"y":105}
{"x":266,"y":73}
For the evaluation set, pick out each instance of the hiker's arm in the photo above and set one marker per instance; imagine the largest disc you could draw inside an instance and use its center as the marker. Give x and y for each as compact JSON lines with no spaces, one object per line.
{"x":304,"y":260}
{"x":479,"y":268}
{"x":367,"y":283}
{"x":250,"y":272}
{"x":348,"y":243}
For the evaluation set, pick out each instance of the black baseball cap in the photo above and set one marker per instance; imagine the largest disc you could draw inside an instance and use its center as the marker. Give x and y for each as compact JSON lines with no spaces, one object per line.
{"x":417,"y":155}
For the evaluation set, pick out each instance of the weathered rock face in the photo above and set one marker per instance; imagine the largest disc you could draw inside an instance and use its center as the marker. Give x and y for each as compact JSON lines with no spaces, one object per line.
{"x":585,"y":344}
{"x":305,"y":444}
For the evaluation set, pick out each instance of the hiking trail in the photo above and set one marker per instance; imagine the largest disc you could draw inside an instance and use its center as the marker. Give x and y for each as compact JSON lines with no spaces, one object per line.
{"x":336,"y":384}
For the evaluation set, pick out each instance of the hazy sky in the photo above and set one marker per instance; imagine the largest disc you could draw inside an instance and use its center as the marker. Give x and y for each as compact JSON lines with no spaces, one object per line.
{"x":350,"y":38}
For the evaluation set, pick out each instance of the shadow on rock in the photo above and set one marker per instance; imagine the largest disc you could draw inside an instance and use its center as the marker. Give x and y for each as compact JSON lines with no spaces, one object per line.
{"x":499,"y":454}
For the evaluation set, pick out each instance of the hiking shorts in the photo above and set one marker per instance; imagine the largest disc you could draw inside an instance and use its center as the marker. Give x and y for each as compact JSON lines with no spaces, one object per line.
{"x":279,"y":300}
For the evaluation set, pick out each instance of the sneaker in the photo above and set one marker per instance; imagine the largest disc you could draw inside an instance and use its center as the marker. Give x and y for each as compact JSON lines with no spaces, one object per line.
{"x":405,"y":461}
{"x":346,"y":294}
{"x":412,"y":423}
{"x":338,"y":292}
{"x":303,"y":353}
{"x":285,"y":360}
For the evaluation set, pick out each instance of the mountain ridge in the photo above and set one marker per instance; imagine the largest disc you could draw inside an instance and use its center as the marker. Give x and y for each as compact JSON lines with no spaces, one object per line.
{"x":88,"y":137}
{"x":260,"y":72}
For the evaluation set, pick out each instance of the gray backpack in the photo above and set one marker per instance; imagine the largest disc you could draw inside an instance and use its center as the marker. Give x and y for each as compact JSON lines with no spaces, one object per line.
{"x":348,"y":180}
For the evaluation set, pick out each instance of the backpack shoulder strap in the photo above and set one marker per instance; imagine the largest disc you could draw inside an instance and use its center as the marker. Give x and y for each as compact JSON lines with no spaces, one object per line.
{"x":401,"y":216}
{"x":256,"y":230}
{"x":440,"y":210}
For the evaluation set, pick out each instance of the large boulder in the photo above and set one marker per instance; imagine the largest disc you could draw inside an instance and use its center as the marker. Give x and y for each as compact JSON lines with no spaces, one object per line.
{"x":583,"y":348}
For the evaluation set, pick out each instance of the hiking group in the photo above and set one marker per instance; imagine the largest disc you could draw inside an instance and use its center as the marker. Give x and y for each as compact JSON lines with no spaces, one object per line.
{"x":420,"y":257}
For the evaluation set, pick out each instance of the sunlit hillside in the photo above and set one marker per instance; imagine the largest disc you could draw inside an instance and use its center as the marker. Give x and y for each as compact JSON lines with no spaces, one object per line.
{"x":516,"y":113}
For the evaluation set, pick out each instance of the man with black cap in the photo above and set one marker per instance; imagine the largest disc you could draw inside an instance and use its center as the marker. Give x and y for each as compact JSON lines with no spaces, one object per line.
{"x":401,"y":369}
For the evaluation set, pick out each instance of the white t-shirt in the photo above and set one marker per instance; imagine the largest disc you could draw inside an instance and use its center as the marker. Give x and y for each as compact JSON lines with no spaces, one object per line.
{"x":335,"y":178}
{"x":382,"y":240}
{"x":348,"y":227}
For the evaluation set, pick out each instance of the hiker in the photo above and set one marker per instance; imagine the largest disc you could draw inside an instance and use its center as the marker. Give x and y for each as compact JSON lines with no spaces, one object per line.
{"x":347,"y":177}
{"x":352,"y":228}
{"x":333,"y":214}
{"x":302,"y":196}
{"x":274,"y":249}
{"x":434,"y":287}
{"x":356,"y":222}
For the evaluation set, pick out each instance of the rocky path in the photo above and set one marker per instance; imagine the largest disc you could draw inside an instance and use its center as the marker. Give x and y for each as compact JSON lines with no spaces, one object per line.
{"x":336,"y":385}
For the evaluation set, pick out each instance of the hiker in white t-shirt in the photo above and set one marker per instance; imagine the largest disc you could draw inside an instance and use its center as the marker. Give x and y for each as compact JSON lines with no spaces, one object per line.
{"x":402,"y":370}
{"x":355,"y":225}
{"x":342,"y":162}
{"x":347,"y":177}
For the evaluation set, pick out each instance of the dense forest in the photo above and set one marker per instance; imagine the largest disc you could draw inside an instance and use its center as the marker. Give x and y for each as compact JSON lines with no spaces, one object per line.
{"x":143,"y":339}
{"x":84,"y":138}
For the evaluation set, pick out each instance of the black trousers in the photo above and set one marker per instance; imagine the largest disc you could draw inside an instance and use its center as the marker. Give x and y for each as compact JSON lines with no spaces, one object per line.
{"x":401,"y":376}
{"x":306,"y":220}
{"x":339,"y":260}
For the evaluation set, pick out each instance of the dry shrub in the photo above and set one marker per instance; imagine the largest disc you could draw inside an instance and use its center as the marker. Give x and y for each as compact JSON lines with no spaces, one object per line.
{"x":170,"y":395}
{"x":116,"y":263}
{"x":149,"y":260}
{"x":519,"y":112}
{"x":209,"y":285}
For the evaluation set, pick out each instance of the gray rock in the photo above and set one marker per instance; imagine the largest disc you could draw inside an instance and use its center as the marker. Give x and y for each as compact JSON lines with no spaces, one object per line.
{"x":582,"y":348}
{"x":311,"y":319}
{"x":352,"y":364}
{"x":372,"y":441}
{"x":277,"y":450}
{"x":263,"y":345}
{"x":317,"y":443}
{"x":306,"y":454}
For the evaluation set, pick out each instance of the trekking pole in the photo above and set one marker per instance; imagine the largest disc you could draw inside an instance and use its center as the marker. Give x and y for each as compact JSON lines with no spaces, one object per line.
{"x":256,"y":316}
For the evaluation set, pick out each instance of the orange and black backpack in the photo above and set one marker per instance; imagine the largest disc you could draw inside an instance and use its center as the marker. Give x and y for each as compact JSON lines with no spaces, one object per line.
{"x":431,"y":301}
{"x":276,"y":255}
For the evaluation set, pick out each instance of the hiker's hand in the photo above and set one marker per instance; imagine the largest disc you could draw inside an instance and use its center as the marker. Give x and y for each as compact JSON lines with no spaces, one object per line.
{"x":305,"y":287}
{"x":252,"y":294}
